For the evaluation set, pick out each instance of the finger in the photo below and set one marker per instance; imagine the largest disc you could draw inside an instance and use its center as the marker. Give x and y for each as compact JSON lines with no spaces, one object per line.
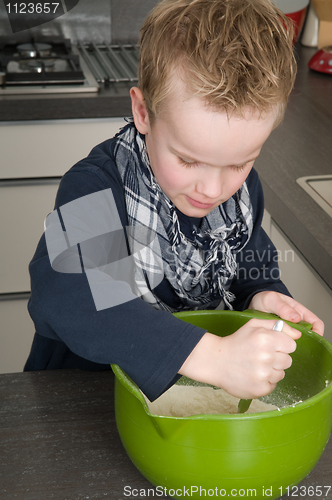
{"x":291,"y":310}
{"x":318,"y":326}
{"x":282,"y":361}
{"x":293,"y":333}
{"x":276,"y":376}
{"x":268,"y":324}
{"x":310,"y":317}
{"x":263,"y":389}
{"x":287,"y":310}
{"x":283,"y":342}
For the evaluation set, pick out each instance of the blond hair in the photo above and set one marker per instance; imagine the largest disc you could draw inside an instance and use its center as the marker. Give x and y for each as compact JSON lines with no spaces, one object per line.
{"x":235,"y":54}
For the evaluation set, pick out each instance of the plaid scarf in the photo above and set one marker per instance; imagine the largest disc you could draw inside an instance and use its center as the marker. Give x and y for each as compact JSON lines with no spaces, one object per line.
{"x":199,"y":271}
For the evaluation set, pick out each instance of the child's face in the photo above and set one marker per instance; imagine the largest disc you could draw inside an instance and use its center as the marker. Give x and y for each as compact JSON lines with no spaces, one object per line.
{"x":200,"y":157}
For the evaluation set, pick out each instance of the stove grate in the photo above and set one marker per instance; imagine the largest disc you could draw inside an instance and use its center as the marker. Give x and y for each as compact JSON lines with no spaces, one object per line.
{"x":111,"y":63}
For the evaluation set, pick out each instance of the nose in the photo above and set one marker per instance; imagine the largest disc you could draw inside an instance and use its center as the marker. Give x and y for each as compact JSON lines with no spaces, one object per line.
{"x":211,"y":185}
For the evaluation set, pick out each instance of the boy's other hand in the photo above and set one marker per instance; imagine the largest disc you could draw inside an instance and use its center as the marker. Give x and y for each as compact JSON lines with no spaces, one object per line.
{"x":286,"y":308}
{"x":247,"y":364}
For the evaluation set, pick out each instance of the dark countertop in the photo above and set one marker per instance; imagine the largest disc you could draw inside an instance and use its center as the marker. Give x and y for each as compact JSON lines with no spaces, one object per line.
{"x":112,"y":101}
{"x":58,"y":440}
{"x":300,"y":146}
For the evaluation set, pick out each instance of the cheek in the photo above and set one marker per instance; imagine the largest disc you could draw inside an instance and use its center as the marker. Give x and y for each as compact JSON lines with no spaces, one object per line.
{"x":175,"y":179}
{"x":236,"y":182}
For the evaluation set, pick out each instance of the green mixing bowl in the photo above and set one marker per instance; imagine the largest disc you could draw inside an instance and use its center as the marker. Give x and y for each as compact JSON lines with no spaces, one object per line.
{"x":245,"y":455}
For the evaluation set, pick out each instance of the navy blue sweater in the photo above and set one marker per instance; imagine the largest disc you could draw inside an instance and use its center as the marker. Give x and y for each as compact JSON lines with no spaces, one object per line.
{"x":150,"y":345}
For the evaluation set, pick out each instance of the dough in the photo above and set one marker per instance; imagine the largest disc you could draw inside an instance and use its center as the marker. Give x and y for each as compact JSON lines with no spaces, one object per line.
{"x":185,"y":400}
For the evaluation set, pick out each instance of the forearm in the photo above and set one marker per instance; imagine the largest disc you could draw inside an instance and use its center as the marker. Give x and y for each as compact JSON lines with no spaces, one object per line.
{"x":198,"y":364}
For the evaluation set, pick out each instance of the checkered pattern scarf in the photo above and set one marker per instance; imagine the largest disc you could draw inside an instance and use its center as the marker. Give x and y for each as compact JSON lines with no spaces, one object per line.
{"x":199,"y":270}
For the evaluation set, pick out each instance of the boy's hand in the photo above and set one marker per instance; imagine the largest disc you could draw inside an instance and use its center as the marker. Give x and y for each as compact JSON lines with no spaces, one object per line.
{"x":248,"y":364}
{"x":286,"y":308}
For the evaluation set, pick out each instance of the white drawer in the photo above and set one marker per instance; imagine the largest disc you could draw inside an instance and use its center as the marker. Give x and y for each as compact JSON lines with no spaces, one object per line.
{"x":24,"y":206}
{"x":50,"y":148}
{"x":16,"y":334}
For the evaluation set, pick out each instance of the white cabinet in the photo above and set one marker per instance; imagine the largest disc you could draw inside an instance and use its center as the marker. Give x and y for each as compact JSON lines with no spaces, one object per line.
{"x":301,"y":279}
{"x":24,"y":206}
{"x":16,"y":334}
{"x":50,"y":148}
{"x":34,"y":156}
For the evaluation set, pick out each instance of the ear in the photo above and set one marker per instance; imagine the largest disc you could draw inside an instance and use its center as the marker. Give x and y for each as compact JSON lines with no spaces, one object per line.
{"x":140,"y":113}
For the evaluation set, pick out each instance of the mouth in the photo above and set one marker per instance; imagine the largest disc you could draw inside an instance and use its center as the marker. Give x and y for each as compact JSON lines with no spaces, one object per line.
{"x":198,"y":204}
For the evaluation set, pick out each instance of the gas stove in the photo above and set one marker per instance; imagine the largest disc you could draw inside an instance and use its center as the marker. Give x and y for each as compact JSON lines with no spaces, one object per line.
{"x":56,"y":65}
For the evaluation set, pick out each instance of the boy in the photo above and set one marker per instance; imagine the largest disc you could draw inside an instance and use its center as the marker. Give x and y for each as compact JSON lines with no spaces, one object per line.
{"x":159,"y":218}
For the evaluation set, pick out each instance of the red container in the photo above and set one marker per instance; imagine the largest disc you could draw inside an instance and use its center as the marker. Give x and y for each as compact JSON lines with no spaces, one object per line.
{"x":296,"y":10}
{"x":322,"y":61}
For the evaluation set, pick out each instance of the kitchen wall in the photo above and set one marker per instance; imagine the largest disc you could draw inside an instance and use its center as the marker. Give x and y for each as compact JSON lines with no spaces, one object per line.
{"x":101,"y":20}
{"x":127,"y":17}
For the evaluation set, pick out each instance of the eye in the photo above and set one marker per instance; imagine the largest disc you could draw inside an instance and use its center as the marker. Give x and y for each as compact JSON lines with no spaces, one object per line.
{"x":238,"y":168}
{"x":187,"y":164}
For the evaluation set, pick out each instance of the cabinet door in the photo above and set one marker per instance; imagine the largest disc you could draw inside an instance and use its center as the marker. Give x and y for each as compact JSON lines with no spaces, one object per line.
{"x":16,"y":334}
{"x":24,"y":206}
{"x":49,"y":148}
{"x":301,"y":279}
